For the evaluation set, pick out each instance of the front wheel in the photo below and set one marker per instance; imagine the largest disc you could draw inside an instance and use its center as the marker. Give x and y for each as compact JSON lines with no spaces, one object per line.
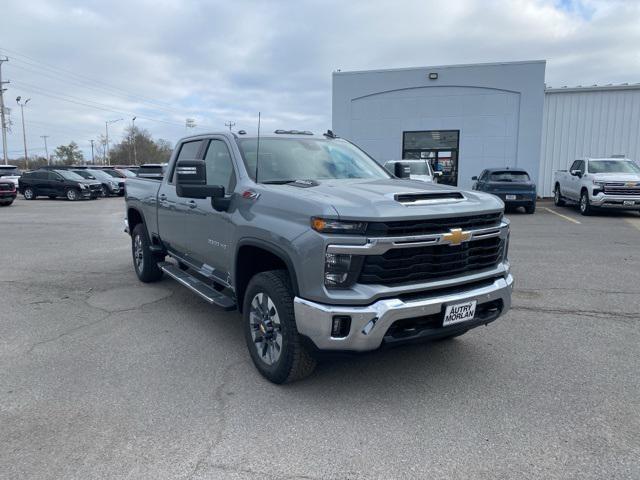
{"x":145,"y":262}
{"x":72,"y":194}
{"x":273,"y":340}
{"x":585,"y":205}
{"x":530,"y":209}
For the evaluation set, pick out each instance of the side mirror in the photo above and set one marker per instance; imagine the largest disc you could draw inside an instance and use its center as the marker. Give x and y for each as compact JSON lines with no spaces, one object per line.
{"x":191,"y":181}
{"x":402,"y":170}
{"x":576,"y":173}
{"x":437,"y":173}
{"x":474,"y":178}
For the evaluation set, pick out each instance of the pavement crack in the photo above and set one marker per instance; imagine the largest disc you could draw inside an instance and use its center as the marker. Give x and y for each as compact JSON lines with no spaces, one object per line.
{"x":222,"y":402}
{"x":64,"y":334}
{"x":586,"y":313}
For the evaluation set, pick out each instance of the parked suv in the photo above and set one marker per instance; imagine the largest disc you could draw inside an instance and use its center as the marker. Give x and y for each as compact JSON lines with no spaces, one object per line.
{"x":58,"y":183}
{"x":512,"y":185}
{"x":599,"y":183}
{"x":7,"y":192}
{"x":318,"y":246}
{"x":110,"y":185}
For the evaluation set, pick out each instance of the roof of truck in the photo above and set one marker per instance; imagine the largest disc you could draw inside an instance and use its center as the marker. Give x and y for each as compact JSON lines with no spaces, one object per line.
{"x":275,"y":134}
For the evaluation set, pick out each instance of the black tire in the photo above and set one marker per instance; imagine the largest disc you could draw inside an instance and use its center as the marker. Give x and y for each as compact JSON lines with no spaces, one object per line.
{"x":29,"y":193}
{"x":530,"y":209}
{"x":585,"y":205}
{"x":72,"y":194}
{"x":6,"y":203}
{"x":558,"y":200}
{"x":103,"y":192}
{"x":145,"y":262}
{"x":293,"y":361}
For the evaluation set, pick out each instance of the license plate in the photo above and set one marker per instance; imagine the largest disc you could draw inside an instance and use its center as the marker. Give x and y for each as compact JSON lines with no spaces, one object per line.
{"x":460,"y":312}
{"x":628,"y":203}
{"x":510,"y":197}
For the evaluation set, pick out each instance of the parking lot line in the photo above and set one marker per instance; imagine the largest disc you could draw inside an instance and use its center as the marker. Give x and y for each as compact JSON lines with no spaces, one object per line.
{"x":562,"y":216}
{"x":635,"y":222}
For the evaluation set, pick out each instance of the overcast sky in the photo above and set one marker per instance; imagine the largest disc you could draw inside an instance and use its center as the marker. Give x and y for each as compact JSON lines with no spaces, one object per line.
{"x":83,"y":63}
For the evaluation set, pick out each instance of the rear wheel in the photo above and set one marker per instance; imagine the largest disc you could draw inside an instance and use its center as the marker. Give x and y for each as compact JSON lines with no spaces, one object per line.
{"x":273,"y":340}
{"x":29,"y":193}
{"x":145,"y":262}
{"x":557,"y":197}
{"x":585,"y":205}
{"x":72,"y":194}
{"x":530,"y":209}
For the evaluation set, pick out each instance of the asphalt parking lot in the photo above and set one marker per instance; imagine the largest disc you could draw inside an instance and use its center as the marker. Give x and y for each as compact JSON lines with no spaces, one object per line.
{"x":103,"y":376}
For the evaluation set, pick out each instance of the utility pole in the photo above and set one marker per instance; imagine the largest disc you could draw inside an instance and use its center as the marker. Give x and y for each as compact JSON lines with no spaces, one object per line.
{"x":46,"y":150}
{"x":24,"y":133}
{"x":106,"y":128}
{"x":133,"y":133}
{"x":3,"y":121}
{"x":93,"y":159}
{"x":230,"y":124}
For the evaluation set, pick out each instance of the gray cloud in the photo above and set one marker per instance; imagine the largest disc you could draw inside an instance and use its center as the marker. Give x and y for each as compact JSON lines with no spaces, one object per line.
{"x":165,"y":61}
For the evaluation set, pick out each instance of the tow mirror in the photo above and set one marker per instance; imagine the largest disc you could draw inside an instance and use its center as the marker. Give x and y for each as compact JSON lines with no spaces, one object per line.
{"x":402,"y":170}
{"x":191,"y":181}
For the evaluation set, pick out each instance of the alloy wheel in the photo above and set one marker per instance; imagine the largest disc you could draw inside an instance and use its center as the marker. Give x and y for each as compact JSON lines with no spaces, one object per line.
{"x":71,"y":194}
{"x":266,"y":329}
{"x":138,"y":253}
{"x":28,"y":194}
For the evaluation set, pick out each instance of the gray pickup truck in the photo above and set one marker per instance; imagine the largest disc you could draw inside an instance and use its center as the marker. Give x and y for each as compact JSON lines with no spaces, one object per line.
{"x":318,"y":246}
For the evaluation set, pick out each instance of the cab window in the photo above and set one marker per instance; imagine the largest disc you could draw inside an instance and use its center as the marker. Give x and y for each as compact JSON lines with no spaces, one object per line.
{"x":219,"y":165}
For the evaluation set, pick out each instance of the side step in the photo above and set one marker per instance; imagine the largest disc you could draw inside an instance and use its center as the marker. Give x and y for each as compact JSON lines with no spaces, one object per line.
{"x":210,"y":294}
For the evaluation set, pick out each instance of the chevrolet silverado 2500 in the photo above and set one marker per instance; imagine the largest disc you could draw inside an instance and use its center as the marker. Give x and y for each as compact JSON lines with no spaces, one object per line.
{"x":599,"y":183}
{"x":318,"y":246}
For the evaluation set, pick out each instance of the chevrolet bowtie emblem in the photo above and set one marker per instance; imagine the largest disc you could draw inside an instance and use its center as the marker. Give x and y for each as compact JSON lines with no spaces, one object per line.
{"x":456,"y":236}
{"x":631,"y":184}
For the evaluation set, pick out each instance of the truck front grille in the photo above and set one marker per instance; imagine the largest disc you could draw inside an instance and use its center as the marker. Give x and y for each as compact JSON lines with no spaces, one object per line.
{"x":6,"y":187}
{"x":621,"y":189}
{"x":435,"y":225}
{"x":433,"y":262}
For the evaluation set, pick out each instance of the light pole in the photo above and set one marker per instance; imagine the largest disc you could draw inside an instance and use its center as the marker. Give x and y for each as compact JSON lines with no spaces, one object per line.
{"x":93,"y":159}
{"x":106,"y":128}
{"x":24,"y":134}
{"x":46,"y":149}
{"x":133,"y":133}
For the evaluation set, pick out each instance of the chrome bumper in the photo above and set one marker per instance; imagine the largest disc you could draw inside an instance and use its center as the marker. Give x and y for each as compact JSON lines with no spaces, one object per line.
{"x":369,"y":324}
{"x":615,"y":201}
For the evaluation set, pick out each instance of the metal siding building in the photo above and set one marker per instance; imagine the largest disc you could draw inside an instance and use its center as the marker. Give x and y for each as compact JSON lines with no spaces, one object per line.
{"x":587,"y":122}
{"x":463,"y":117}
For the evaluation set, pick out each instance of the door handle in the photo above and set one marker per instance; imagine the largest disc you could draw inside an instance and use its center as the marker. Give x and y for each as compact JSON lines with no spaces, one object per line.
{"x":162,"y":197}
{"x":192,"y":204}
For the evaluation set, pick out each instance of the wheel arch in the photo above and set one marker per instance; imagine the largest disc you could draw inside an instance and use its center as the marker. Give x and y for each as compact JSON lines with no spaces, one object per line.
{"x":254,"y":256}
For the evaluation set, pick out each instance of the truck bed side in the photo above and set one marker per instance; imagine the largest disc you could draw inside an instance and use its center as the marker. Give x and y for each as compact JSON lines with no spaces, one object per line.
{"x":142,"y":198}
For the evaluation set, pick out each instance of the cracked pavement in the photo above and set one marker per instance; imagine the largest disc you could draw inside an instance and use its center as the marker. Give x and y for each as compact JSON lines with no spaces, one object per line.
{"x":104,"y":377}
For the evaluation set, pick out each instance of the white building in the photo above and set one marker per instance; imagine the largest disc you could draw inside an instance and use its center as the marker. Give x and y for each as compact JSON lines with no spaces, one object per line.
{"x":465,"y":118}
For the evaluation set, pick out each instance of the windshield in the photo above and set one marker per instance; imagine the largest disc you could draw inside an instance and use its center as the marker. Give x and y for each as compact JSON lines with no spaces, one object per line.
{"x":9,"y":172}
{"x":84,"y":174}
{"x":69,"y":175}
{"x":613,"y":166}
{"x":113,"y":173}
{"x":419,"y":168}
{"x":100,"y":175}
{"x":126,"y":173}
{"x":287,"y":159}
{"x":508,"y":176}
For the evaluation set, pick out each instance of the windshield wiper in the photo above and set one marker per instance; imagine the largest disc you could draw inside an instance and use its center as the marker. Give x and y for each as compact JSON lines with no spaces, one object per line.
{"x":279,"y":182}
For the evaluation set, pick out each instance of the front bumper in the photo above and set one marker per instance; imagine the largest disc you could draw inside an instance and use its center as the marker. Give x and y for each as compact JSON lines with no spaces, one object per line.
{"x":603,"y":200}
{"x":370,"y":324}
{"x":8,"y":194}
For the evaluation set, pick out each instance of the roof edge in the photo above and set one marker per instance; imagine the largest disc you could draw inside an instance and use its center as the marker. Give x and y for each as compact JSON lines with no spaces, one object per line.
{"x":461,"y":65}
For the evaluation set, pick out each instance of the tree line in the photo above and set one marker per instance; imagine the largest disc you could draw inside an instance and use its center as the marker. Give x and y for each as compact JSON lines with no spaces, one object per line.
{"x":137,"y":147}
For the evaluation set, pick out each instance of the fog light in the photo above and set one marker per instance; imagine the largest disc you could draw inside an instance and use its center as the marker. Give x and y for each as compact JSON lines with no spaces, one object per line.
{"x":340,"y":326}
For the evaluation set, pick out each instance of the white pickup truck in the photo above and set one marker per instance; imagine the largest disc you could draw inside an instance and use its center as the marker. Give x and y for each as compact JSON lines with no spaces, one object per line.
{"x":599,"y":183}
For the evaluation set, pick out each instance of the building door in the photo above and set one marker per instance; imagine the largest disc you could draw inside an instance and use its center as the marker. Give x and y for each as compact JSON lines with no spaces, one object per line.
{"x":440,"y":147}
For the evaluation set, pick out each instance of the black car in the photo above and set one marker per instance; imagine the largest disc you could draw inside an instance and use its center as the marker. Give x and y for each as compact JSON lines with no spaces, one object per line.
{"x":110,"y":185}
{"x":57,"y":183}
{"x":7,"y":192}
{"x":513,"y":186}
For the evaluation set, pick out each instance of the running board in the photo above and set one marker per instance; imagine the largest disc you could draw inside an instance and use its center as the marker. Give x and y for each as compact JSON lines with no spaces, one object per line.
{"x":210,"y":294}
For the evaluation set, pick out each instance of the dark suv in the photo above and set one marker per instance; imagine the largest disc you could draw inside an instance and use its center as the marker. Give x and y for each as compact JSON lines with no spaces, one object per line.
{"x":58,"y":183}
{"x":512,"y":185}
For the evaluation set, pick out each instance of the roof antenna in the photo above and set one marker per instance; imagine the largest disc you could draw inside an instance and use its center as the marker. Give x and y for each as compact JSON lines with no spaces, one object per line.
{"x":258,"y":148}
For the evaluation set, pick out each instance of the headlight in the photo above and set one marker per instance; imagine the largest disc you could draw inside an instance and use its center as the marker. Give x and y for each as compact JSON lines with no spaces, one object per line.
{"x":324,"y":225}
{"x":113,"y":184}
{"x":84,"y":185}
{"x":599,"y":184}
{"x":340,"y":270}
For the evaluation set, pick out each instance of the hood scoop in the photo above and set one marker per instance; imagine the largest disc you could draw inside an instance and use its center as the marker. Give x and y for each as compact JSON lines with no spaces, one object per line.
{"x":425,"y":198}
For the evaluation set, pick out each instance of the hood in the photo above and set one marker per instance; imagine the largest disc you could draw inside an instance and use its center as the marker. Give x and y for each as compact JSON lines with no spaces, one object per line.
{"x":394,"y":199}
{"x":615,"y":177}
